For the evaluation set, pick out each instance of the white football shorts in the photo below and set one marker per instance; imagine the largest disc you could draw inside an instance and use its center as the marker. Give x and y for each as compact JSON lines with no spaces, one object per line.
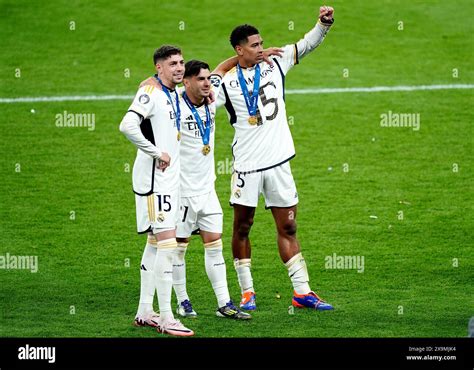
{"x":203,"y":212}
{"x":157,"y":212}
{"x":276,"y":184}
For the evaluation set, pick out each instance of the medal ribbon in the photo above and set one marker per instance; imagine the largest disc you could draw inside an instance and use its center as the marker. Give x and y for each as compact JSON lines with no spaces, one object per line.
{"x":204,"y":130}
{"x":250,"y":101}
{"x":177,"y":110}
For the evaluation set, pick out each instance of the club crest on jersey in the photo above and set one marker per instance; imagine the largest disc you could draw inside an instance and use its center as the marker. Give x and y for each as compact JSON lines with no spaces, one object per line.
{"x":237,"y":193}
{"x":160,"y":217}
{"x":215,"y":81}
{"x":144,"y":99}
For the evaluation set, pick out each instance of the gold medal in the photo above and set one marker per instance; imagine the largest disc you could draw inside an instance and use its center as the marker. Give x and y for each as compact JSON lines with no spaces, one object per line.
{"x":253,"y":120}
{"x":179,"y":135}
{"x":206,"y":149}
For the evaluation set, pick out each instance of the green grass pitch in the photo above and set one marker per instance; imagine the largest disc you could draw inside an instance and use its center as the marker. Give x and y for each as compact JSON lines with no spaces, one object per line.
{"x":418,"y":270}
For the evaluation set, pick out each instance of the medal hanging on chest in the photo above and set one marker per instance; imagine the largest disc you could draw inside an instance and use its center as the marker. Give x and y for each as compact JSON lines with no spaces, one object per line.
{"x":253,"y":120}
{"x":206,"y":149}
{"x":250,"y":101}
{"x":177,"y":110}
{"x":204,"y":128}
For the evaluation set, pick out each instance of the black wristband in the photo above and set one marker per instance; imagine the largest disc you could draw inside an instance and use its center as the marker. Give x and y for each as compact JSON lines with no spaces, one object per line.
{"x":326,"y":21}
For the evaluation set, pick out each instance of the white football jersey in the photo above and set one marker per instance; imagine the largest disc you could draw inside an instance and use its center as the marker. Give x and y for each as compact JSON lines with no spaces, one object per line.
{"x":269,"y":142}
{"x":158,"y":125}
{"x":197,"y":170}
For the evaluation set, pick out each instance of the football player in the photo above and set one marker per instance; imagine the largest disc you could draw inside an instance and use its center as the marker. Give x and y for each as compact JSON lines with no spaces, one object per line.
{"x":200,"y":206}
{"x":254,"y":96}
{"x":153,"y":125}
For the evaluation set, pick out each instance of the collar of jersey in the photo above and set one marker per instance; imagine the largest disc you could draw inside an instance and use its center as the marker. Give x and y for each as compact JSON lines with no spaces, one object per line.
{"x":197,"y":106}
{"x":200,"y":105}
{"x":249,"y":68}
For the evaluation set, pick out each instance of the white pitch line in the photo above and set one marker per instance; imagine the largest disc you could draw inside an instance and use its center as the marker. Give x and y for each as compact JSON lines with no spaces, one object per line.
{"x":335,"y":90}
{"x":64,"y":98}
{"x":379,"y":89}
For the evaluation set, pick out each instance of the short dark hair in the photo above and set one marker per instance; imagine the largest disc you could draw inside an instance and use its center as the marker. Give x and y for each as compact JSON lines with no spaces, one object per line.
{"x":165,"y":52}
{"x":241,"y":33}
{"x":193,"y":67}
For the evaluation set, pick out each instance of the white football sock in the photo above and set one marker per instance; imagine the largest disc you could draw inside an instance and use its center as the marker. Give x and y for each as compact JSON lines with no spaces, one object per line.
{"x":147,"y":278}
{"x":216,"y":272}
{"x":244,"y":275}
{"x":298,"y":274}
{"x":163,"y":269}
{"x":179,"y":272}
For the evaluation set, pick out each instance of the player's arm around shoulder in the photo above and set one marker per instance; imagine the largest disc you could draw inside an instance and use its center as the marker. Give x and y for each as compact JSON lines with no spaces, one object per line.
{"x":230,"y":63}
{"x":225,"y":66}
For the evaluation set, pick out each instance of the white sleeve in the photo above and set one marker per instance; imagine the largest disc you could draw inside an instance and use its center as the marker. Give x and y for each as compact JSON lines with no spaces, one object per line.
{"x":311,"y":40}
{"x":288,"y":59}
{"x":293,"y":53}
{"x":216,"y":82}
{"x":130,"y":127}
{"x":143,"y":102}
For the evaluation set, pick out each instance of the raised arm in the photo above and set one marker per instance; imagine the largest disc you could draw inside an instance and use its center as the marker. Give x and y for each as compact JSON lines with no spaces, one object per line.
{"x":314,"y":37}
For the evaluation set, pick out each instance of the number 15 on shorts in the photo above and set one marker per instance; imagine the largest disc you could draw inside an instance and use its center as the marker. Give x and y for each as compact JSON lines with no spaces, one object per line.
{"x":162,"y":203}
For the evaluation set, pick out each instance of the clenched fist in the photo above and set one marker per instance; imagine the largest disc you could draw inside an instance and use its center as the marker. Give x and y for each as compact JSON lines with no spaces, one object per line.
{"x":326,"y":14}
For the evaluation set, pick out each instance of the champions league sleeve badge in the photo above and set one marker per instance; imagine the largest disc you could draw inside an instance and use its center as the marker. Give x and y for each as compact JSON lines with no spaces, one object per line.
{"x":144,"y":99}
{"x":215,"y":81}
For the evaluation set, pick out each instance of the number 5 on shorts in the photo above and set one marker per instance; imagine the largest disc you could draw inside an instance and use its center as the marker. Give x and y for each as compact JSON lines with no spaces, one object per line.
{"x":241,"y":179}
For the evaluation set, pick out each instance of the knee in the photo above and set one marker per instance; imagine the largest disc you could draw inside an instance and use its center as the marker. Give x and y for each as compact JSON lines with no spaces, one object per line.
{"x":288,"y":228}
{"x":243,"y":227}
